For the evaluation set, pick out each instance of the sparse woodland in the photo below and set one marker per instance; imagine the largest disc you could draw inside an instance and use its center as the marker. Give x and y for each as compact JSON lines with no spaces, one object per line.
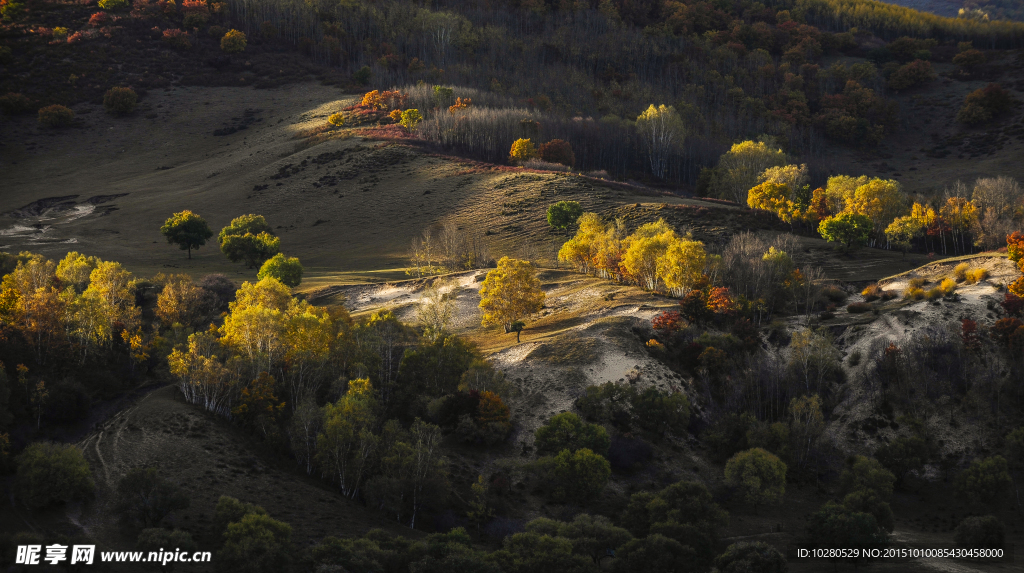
{"x":732,"y":102}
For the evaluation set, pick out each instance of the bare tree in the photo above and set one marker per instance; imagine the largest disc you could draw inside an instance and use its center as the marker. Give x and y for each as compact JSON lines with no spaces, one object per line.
{"x":437,"y":307}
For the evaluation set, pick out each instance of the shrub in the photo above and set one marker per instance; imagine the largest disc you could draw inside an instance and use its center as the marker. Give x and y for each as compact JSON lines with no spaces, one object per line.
{"x":362,"y":75}
{"x":98,"y":19}
{"x":872,"y":293}
{"x":985,"y":481}
{"x":960,"y":271}
{"x":575,"y":476}
{"x":991,"y":97}
{"x":913,"y":293}
{"x":15,"y":103}
{"x":947,"y":286}
{"x":969,"y":60}
{"x":834,"y":294}
{"x":145,"y":498}
{"x":217,"y":32}
{"x":985,"y":532}
{"x":567,"y":432}
{"x":975,"y":276}
{"x":336,"y":119}
{"x":158,"y":539}
{"x":973,"y":114}
{"x":113,"y":4}
{"x":177,"y":39}
{"x":50,"y":474}
{"x":911,"y":75}
{"x":917,"y":282}
{"x":55,"y":116}
{"x":557,"y":151}
{"x":257,"y":544}
{"x":233,"y":42}
{"x":858,"y":307}
{"x":933,"y":294}
{"x":757,"y":556}
{"x":120,"y":100}
{"x":195,"y":19}
{"x":268,"y":31}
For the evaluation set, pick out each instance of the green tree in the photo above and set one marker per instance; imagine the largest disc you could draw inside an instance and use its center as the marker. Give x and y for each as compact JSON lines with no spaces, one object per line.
{"x":50,"y":474}
{"x":248,"y":238}
{"x":902,"y":231}
{"x":870,"y":501}
{"x":575,"y":476}
{"x":411,"y":119}
{"x":656,"y":554}
{"x":288,"y":270}
{"x":836,"y":526}
{"x":567,"y":431}
{"x":739,"y":168}
{"x":257,"y":543}
{"x":757,"y":557}
{"x":864,"y":473}
{"x":847,"y":229}
{"x":759,"y":475}
{"x":980,"y":532}
{"x":145,"y":498}
{"x":662,"y":412}
{"x":187,"y":230}
{"x":564,"y":214}
{"x":986,"y":481}
{"x":591,"y":535}
{"x":229,"y":510}
{"x":510,"y":293}
{"x":158,"y":539}
{"x":902,"y":456}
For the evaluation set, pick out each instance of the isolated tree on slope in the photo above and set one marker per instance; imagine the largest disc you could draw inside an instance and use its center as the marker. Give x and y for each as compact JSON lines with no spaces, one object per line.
{"x":510,"y":293}
{"x":564,"y":214}
{"x":288,"y":270}
{"x":248,"y":238}
{"x":187,"y":230}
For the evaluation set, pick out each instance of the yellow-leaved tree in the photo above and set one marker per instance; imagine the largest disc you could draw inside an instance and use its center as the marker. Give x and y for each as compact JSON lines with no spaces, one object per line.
{"x":643,"y":249}
{"x":661,"y":131}
{"x":522,"y":150}
{"x":682,"y":264}
{"x":509,"y":294}
{"x":579,"y":251}
{"x":740,"y":166}
{"x":881,"y":200}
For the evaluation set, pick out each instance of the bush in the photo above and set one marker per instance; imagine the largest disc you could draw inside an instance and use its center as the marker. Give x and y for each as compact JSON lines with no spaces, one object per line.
{"x":98,"y":19}
{"x":960,"y":271}
{"x":50,"y":474}
{"x":872,"y":293}
{"x":177,"y":39}
{"x":858,"y":307}
{"x":975,"y":276}
{"x":575,"y":476}
{"x":233,"y":42}
{"x":157,"y":539}
{"x":522,"y":149}
{"x":557,"y":151}
{"x":15,"y":103}
{"x":145,"y":498}
{"x":113,"y":4}
{"x":257,"y":544}
{"x":567,"y":432}
{"x":912,"y":293}
{"x":217,"y":32}
{"x":336,"y":119}
{"x":947,"y":286}
{"x":230,"y":510}
{"x":747,"y":557}
{"x":55,"y":116}
{"x":933,"y":294}
{"x":981,"y":533}
{"x":973,"y":114}
{"x":362,"y":75}
{"x":195,"y":20}
{"x":917,"y":282}
{"x":120,"y":100}
{"x":911,"y":75}
{"x":986,"y":481}
{"x":834,"y":294}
